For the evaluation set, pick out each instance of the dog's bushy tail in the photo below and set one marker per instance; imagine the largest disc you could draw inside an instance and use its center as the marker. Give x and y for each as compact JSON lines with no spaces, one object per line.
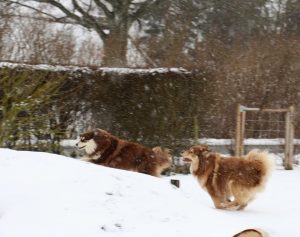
{"x":267,"y":161}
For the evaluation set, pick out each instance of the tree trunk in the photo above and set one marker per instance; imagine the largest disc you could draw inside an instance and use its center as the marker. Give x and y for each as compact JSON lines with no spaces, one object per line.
{"x":115,"y":48}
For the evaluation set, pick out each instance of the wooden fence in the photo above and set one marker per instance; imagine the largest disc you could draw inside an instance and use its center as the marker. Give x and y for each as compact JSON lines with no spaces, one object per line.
{"x":266,"y":123}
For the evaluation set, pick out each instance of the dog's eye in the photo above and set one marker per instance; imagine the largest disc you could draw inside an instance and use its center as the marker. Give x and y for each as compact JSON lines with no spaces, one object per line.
{"x":82,"y":139}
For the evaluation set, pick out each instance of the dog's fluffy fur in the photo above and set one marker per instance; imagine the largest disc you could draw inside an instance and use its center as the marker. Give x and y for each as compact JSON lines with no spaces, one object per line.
{"x":232,"y":182}
{"x":105,"y":149}
{"x":252,"y":233}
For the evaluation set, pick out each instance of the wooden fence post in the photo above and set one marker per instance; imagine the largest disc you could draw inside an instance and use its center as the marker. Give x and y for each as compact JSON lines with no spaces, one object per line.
{"x":243,"y":121}
{"x":240,"y":131}
{"x":237,"y":131}
{"x":196,"y":129}
{"x":289,"y":139}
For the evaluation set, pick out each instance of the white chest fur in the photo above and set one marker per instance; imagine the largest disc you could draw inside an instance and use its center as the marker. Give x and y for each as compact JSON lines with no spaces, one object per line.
{"x":90,"y":147}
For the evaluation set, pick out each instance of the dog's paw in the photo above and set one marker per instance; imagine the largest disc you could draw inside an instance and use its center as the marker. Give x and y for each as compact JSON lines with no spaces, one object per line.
{"x":85,"y":158}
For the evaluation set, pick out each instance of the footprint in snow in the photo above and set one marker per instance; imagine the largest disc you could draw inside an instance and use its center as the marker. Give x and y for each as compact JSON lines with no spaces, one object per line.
{"x":112,"y":228}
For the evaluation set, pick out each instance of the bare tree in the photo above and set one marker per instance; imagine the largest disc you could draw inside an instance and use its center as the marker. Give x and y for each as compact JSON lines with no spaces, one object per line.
{"x":37,"y":42}
{"x":89,"y":53}
{"x":111,"y":20}
{"x":4,"y":24}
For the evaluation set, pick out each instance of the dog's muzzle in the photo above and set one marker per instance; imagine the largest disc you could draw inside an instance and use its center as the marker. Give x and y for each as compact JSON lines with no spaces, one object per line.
{"x":80,"y":148}
{"x":186,"y":160}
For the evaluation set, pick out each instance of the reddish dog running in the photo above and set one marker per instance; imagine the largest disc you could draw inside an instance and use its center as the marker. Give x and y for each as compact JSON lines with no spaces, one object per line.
{"x":105,"y":149}
{"x":232,"y":182}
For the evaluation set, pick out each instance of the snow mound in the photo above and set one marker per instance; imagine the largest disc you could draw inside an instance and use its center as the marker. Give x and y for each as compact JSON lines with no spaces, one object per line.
{"x":50,"y":195}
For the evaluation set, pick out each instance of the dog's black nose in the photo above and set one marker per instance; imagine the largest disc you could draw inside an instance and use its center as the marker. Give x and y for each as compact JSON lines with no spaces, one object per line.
{"x":76,"y":144}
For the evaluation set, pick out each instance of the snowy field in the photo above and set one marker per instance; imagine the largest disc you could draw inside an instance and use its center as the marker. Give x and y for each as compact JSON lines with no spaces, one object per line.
{"x":46,"y":195}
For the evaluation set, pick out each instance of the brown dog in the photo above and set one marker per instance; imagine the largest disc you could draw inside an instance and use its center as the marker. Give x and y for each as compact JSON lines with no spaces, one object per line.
{"x":105,"y":149}
{"x":232,"y":182}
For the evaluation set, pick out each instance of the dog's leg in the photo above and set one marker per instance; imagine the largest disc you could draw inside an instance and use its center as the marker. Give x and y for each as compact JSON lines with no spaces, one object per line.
{"x":85,"y":158}
{"x":229,"y":194}
{"x":242,"y":206}
{"x":242,"y":196}
{"x":220,"y":202}
{"x":228,"y":203}
{"x":234,"y":205}
{"x":245,"y":199}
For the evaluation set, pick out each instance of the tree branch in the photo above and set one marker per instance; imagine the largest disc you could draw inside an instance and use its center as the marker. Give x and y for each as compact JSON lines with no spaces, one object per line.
{"x":32,"y":8}
{"x":107,"y":12}
{"x":91,"y":21}
{"x":144,"y":7}
{"x":86,"y":20}
{"x":62,"y":20}
{"x":53,"y":3}
{"x":62,"y":8}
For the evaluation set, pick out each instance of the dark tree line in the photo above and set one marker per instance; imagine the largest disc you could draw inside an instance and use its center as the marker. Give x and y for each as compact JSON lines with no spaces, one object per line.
{"x":235,"y":51}
{"x":161,"y":32}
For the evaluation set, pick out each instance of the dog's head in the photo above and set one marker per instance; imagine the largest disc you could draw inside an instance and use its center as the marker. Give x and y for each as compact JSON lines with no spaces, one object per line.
{"x":195,"y":153}
{"x":200,"y":157}
{"x":95,"y":140}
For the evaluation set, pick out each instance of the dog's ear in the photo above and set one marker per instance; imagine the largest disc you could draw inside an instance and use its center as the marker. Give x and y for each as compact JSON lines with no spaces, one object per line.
{"x":101,"y":132}
{"x":205,"y":148}
{"x":201,"y":149}
{"x":208,"y":148}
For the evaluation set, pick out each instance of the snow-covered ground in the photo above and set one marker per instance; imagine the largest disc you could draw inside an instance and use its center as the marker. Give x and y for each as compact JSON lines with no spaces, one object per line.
{"x":45,"y":195}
